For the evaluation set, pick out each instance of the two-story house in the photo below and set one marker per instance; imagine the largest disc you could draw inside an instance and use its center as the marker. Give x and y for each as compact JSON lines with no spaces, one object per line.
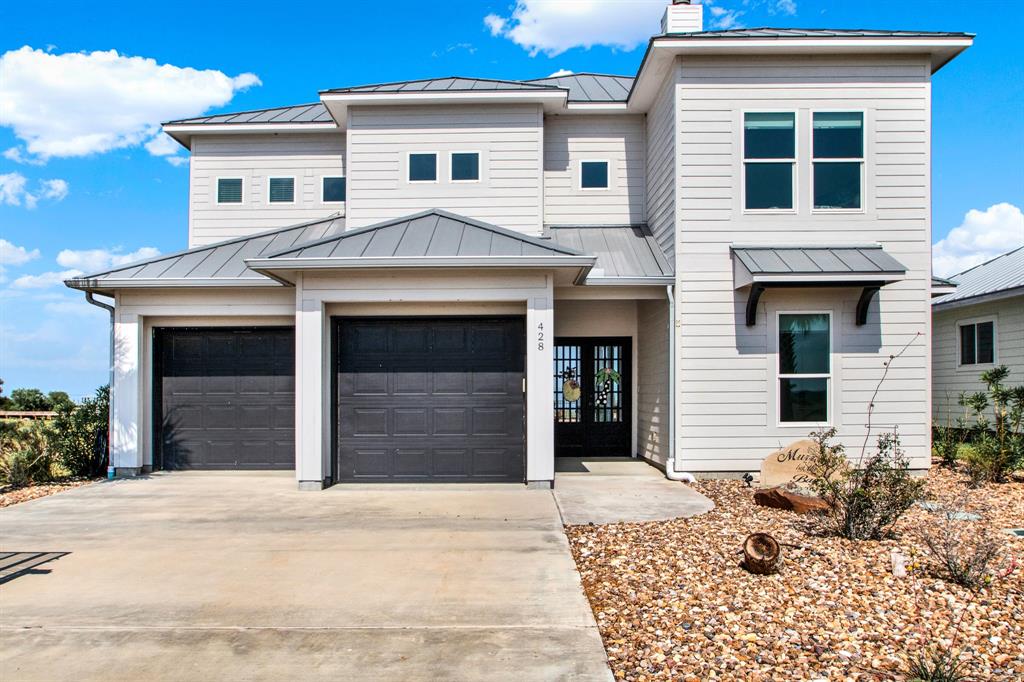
{"x":461,"y":279}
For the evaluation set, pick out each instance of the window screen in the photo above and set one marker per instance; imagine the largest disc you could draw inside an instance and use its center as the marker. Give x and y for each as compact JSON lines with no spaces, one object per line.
{"x":229,"y":190}
{"x":334,"y":189}
{"x":465,"y":166}
{"x":282,"y":190}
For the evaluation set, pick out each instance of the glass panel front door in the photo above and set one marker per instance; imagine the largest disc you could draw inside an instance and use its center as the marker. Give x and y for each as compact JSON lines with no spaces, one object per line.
{"x":592,"y":395}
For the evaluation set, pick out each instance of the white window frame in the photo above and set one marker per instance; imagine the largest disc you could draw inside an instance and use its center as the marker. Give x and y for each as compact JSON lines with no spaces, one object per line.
{"x":479,"y":166}
{"x":995,"y":342}
{"x":333,"y":177}
{"x":829,"y":377}
{"x":216,"y":190}
{"x":795,"y":176}
{"x":437,"y":168}
{"x":608,"y":165}
{"x":863,"y":160}
{"x":295,"y":190}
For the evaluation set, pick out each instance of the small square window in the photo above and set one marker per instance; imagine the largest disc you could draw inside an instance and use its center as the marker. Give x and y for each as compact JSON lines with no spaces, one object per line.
{"x":465,"y":166}
{"x":334,"y":190}
{"x":229,"y":190}
{"x":422,"y":167}
{"x":978,"y":343}
{"x":282,"y":190}
{"x":594,"y":174}
{"x":769,"y":186}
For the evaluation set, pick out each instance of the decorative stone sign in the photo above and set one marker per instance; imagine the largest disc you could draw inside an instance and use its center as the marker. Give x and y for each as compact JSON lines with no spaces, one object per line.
{"x":786,"y":465}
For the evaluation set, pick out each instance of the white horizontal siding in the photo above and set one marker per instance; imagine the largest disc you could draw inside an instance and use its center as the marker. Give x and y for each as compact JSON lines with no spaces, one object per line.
{"x":509,"y":139}
{"x":661,"y":168}
{"x":727,"y":371}
{"x":619,"y":140}
{"x":652,"y":380}
{"x":949,"y":379}
{"x":254,"y":158}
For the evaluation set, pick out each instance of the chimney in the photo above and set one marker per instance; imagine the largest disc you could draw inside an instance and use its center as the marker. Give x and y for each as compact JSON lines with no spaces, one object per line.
{"x":683,"y":17}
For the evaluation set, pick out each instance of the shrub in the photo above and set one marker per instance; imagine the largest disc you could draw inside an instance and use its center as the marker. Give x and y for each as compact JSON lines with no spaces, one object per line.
{"x":997,"y":440}
{"x":78,"y":434}
{"x":865,"y":500}
{"x":25,"y":457}
{"x":961,"y":552}
{"x":937,"y":665}
{"x":29,"y":400}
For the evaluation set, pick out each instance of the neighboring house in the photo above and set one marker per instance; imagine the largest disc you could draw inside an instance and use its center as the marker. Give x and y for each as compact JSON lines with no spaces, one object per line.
{"x":460,"y":279}
{"x":977,"y":326}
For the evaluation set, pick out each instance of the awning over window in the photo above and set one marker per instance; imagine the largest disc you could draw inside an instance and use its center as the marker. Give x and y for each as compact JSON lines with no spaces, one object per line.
{"x":867,"y":266}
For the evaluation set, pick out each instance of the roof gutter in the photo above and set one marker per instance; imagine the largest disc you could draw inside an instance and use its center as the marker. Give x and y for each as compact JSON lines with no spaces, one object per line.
{"x":110,"y":381}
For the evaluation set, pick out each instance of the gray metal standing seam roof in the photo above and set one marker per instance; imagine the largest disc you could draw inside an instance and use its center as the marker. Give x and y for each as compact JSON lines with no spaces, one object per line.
{"x":447,"y":84}
{"x":817,"y":260}
{"x":766,"y":32}
{"x":622,"y":251}
{"x":430,"y":234}
{"x":591,"y":87}
{"x":1002,"y":274}
{"x":300,"y":113}
{"x":223,"y":262}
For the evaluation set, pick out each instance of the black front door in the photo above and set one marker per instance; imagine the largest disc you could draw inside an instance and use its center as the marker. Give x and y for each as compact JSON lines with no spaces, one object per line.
{"x":593,"y":397}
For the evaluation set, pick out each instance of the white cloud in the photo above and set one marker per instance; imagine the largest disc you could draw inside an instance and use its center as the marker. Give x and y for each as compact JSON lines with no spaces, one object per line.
{"x":14,"y":154}
{"x":561,"y":72}
{"x":44,"y":280}
{"x":722,"y":18}
{"x":983,"y":235}
{"x":162,"y":145}
{"x":176,"y":160}
{"x":14,"y":190}
{"x":97,"y":260}
{"x":785,"y":7}
{"x":554,"y":26}
{"x":11,"y":254}
{"x":81,"y":103}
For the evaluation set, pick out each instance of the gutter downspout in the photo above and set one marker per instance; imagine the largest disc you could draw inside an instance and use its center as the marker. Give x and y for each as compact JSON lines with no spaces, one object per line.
{"x":110,"y":389}
{"x":670,"y":463}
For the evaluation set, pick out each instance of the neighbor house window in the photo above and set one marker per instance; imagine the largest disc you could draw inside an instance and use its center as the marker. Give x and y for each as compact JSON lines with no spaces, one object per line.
{"x":838,"y":149}
{"x":281,"y":190}
{"x":769,"y":159}
{"x":333,"y":189}
{"x":805,"y":367}
{"x":229,"y":190}
{"x":593,"y":174}
{"x":978,"y":343}
{"x":422,"y":167}
{"x":465,"y":166}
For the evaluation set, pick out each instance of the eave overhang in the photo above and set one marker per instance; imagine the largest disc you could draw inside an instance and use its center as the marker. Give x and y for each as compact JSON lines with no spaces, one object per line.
{"x":182,"y":133}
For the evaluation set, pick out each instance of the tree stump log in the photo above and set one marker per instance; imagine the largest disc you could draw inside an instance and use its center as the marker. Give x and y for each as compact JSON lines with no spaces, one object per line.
{"x":761,"y":553}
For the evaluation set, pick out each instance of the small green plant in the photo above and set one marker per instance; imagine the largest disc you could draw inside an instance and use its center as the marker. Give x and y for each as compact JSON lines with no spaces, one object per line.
{"x":996,"y":434}
{"x":947,"y":439}
{"x":961,"y":552}
{"x":25,"y":456}
{"x":867,"y":499}
{"x":75,"y":437}
{"x":937,"y":665}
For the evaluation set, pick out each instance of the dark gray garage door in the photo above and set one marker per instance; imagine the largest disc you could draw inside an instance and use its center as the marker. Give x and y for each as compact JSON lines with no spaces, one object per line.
{"x":225,"y":398}
{"x":436,"y":399}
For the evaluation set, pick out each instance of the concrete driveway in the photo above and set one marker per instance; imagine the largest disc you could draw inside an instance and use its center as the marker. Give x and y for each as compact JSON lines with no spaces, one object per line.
{"x":241,"y":577}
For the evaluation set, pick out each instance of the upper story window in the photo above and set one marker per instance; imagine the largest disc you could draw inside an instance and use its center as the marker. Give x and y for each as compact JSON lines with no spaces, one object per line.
{"x":978,"y":342}
{"x":593,"y":175}
{"x":229,"y":190}
{"x":838,"y":156}
{"x":465,"y":166}
{"x":281,"y":190}
{"x":333,"y":190}
{"x":769,"y":160}
{"x":422,"y":167}
{"x":805,"y":367}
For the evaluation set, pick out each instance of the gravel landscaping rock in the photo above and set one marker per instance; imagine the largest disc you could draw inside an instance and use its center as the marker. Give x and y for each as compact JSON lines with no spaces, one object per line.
{"x":9,"y":496}
{"x":672,"y":602}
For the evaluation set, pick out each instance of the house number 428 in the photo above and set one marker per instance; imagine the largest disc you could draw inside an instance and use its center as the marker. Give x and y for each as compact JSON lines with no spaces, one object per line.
{"x":540,"y":336}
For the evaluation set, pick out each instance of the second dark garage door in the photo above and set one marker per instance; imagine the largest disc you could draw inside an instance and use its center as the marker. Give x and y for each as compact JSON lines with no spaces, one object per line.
{"x":437,"y":399}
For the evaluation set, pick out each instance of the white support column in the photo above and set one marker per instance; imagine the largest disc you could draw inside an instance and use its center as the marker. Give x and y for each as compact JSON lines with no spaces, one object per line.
{"x":126,"y":395}
{"x":309,"y":378}
{"x":540,"y":408}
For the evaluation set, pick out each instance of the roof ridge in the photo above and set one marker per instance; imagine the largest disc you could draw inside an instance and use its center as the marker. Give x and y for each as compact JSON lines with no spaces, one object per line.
{"x":577,"y":73}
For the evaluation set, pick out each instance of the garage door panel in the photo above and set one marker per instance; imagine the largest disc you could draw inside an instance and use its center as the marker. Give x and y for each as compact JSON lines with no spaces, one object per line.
{"x":226,"y":398}
{"x":452,"y":405}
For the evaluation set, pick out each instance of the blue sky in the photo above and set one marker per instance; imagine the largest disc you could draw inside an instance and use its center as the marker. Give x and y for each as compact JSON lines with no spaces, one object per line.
{"x":104,"y":189}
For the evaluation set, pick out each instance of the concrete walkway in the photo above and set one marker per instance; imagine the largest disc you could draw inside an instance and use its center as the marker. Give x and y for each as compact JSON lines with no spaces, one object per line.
{"x":621,"y":491}
{"x":235,"y":576}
